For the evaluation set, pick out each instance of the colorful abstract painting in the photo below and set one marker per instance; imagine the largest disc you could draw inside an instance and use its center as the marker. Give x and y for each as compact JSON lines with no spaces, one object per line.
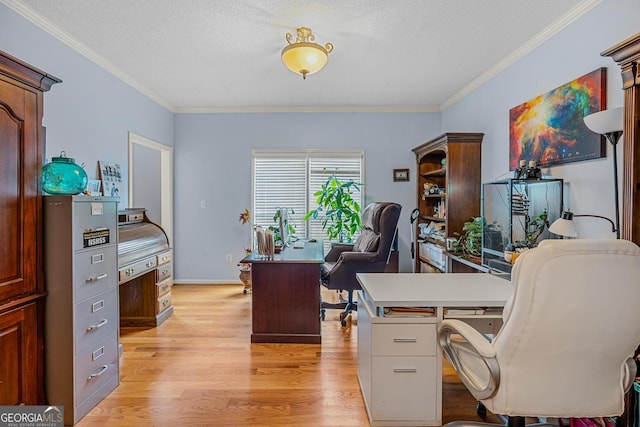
{"x":550,"y":128}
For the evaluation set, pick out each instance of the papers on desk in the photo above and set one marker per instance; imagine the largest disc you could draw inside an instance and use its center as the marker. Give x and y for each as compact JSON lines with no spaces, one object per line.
{"x":466,"y":311}
{"x":409,"y":311}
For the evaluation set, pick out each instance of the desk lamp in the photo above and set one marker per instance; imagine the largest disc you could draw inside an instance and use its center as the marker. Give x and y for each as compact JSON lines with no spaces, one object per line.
{"x":609,"y":123}
{"x":564,"y":226}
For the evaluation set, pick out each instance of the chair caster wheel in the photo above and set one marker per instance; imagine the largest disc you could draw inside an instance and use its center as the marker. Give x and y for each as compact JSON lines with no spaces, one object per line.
{"x":244,"y":291}
{"x":481,"y":410}
{"x":323,"y":314}
{"x":343,"y":323}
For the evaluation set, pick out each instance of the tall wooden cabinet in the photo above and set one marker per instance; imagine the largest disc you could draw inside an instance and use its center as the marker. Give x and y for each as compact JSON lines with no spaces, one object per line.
{"x":449,"y":190}
{"x":21,"y":278}
{"x":627,"y":55}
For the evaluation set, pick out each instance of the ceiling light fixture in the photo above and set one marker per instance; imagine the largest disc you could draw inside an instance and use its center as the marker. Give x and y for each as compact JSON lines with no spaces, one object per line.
{"x":304,"y":56}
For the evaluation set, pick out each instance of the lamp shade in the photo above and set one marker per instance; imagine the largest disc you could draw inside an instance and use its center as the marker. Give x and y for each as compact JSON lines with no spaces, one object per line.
{"x":303,"y":56}
{"x":606,"y":121}
{"x":564,"y":226}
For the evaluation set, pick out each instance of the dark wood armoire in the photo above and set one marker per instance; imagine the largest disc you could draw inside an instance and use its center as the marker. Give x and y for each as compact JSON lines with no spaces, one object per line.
{"x":21,"y":274}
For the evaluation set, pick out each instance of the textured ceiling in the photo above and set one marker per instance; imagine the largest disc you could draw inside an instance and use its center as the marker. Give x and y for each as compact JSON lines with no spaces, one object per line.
{"x":389,"y":55}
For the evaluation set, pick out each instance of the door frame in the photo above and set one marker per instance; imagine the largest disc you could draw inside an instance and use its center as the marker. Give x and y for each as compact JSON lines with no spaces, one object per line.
{"x":166,"y":179}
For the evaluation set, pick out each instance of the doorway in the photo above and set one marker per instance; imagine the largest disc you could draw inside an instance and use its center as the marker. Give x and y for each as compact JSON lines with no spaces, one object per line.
{"x":151,"y":180}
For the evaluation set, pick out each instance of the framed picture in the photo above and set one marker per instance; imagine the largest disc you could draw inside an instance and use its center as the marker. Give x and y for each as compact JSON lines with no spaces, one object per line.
{"x":401,"y":174}
{"x":111,"y":178}
{"x":93,"y":187}
{"x":550,"y":128}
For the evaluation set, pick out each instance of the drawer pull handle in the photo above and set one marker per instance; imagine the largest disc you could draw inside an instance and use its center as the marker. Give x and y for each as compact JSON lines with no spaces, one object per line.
{"x":96,"y":278}
{"x":97,"y":326}
{"x":405,"y":370}
{"x":165,"y":287}
{"x":405,"y":340}
{"x":149,"y":264}
{"x":97,"y":374}
{"x":130,"y":271}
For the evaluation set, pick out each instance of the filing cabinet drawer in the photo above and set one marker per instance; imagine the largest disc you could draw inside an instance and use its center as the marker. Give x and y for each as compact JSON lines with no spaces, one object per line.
{"x":163,"y":303}
{"x":404,"y":339}
{"x":404,"y":388}
{"x":96,"y":318}
{"x":163,"y":272}
{"x":96,"y":366}
{"x":134,"y":270}
{"x":165,"y":257}
{"x":94,"y":271}
{"x":85,"y":222}
{"x":163,"y":287}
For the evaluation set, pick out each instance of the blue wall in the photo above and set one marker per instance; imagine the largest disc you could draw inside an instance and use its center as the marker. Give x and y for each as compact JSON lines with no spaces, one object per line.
{"x":90,"y":114}
{"x":571,"y":53}
{"x":213,"y":164}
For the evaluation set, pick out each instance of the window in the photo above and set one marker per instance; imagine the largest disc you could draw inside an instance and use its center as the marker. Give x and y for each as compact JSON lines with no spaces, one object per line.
{"x":288,"y":179}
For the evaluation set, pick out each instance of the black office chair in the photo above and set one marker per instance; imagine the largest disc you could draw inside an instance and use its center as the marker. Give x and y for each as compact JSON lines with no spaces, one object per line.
{"x":369,"y":254}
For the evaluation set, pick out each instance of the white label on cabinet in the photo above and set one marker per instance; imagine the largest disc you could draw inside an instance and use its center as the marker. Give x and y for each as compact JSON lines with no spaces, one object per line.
{"x":96,"y":208}
{"x":97,"y":354}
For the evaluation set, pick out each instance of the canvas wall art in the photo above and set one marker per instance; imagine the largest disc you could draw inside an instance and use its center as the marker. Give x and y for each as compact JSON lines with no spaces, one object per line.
{"x":550,"y":128}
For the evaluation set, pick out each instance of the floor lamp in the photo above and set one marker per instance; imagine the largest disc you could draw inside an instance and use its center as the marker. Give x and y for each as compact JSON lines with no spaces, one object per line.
{"x":609,"y":123}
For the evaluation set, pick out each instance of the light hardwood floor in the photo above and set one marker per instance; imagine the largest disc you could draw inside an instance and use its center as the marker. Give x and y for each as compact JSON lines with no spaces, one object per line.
{"x":199,"y":369}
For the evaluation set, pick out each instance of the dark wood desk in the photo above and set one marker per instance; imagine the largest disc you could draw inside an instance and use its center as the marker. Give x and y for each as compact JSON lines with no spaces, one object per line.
{"x":286,"y":295}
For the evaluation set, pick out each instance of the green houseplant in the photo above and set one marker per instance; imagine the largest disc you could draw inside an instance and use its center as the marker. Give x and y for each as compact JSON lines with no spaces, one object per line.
{"x":340,"y":211}
{"x":470,"y":242}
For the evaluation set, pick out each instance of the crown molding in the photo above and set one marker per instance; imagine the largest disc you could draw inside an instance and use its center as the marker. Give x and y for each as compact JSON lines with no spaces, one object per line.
{"x":84,"y":50}
{"x":523,"y":50}
{"x":314,"y":109}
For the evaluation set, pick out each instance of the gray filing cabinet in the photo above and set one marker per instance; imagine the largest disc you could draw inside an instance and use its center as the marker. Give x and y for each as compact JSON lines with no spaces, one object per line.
{"x":81,"y":308}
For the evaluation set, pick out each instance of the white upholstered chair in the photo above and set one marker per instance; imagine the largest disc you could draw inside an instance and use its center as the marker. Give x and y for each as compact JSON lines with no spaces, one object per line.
{"x":569,"y":334}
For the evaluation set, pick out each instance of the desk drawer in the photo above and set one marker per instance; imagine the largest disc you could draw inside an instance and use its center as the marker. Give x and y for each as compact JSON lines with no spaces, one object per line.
{"x":163,"y":303}
{"x":96,"y":366}
{"x":94,"y":271}
{"x":404,"y":339}
{"x":134,"y":270}
{"x":165,"y":257}
{"x":103,"y":225}
{"x":163,"y":287}
{"x":163,"y":272}
{"x":404,"y":388}
{"x":96,"y":318}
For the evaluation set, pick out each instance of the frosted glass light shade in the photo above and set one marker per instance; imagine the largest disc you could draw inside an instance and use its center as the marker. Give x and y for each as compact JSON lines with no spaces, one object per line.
{"x":606,"y":121}
{"x":304,"y":56}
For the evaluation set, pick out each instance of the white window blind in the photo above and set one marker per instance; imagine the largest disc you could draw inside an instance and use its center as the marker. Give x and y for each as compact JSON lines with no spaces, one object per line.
{"x":288,"y":179}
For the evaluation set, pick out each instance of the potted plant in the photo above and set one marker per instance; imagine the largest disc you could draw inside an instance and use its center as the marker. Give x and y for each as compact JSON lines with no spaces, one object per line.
{"x":340,"y":211}
{"x":470,"y":242}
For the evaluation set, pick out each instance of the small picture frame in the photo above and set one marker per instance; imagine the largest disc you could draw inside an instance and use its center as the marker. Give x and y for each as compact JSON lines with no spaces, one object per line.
{"x":111,"y":178}
{"x":93,"y":187}
{"x":400,"y":175}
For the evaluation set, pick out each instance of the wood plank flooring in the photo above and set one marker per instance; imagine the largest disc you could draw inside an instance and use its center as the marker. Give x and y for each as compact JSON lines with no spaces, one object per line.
{"x":199,"y":369}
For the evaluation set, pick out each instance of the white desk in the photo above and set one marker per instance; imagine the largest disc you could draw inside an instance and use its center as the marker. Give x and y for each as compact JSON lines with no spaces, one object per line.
{"x":399,"y":358}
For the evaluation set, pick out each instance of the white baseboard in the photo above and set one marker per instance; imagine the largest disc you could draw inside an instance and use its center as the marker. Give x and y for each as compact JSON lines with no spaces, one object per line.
{"x":206,"y":282}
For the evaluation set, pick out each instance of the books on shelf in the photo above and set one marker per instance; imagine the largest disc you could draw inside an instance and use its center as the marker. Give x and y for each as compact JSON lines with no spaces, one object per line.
{"x":409,"y":311}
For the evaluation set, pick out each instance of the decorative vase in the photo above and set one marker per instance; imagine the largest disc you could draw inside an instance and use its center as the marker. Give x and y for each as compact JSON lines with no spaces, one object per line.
{"x":63,"y":176}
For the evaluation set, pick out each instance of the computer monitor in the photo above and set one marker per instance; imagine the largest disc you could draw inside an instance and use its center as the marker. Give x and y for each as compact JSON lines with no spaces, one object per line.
{"x":284,"y":226}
